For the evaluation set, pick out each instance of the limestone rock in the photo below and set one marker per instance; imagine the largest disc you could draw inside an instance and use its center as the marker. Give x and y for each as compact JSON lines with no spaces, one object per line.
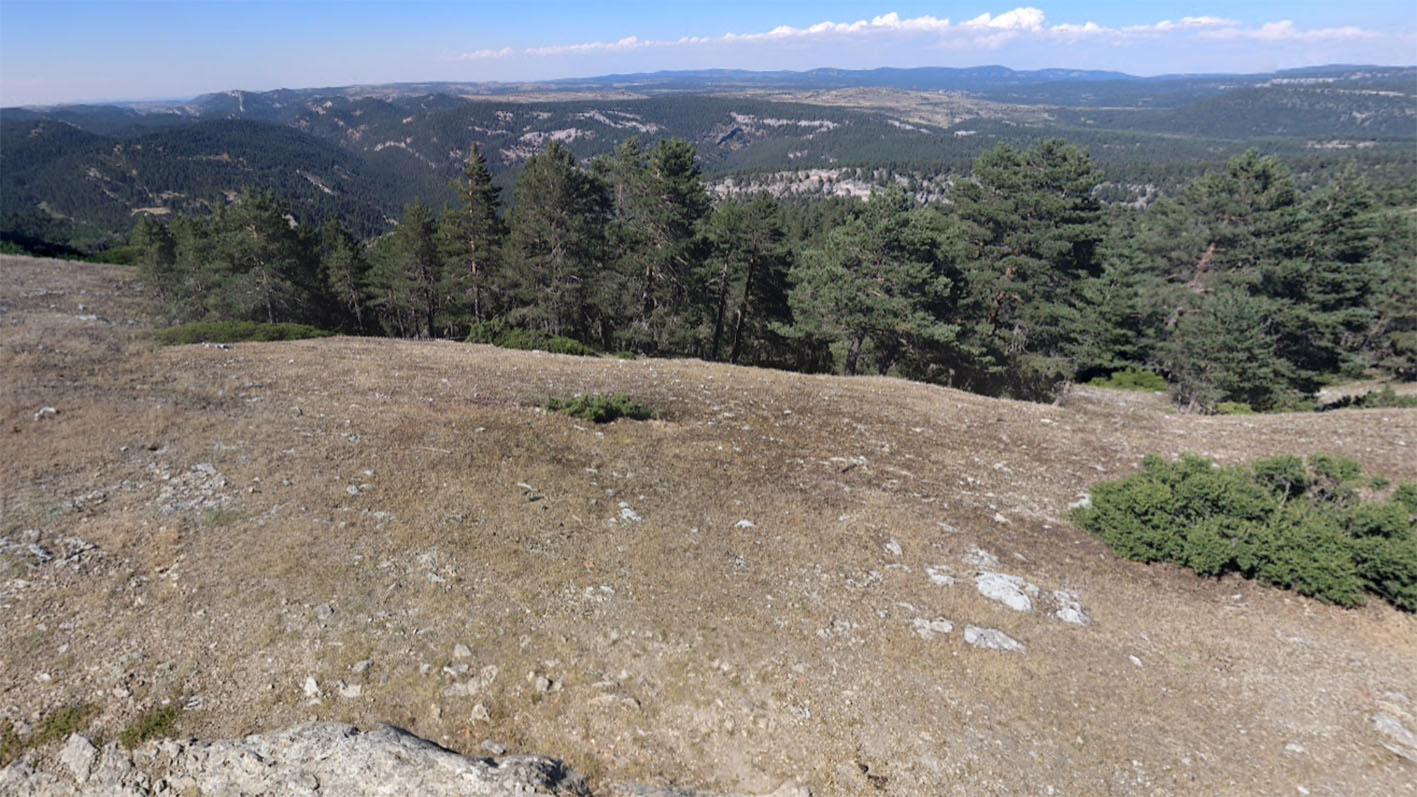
{"x":1070,"y":608}
{"x":1398,"y":739}
{"x":1011,"y":591}
{"x":992,"y":639}
{"x":319,"y":758}
{"x":79,"y":756}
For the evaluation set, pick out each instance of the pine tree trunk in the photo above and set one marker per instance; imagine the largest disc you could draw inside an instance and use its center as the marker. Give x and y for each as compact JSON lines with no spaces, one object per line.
{"x":722,"y":307}
{"x":852,"y":353}
{"x":742,"y":318}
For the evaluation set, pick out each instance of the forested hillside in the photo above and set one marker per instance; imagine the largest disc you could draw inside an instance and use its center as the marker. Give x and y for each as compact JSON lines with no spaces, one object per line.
{"x":72,"y":178}
{"x":1243,"y":290}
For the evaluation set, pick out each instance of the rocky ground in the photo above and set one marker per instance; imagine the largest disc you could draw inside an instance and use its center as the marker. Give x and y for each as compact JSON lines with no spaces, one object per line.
{"x":856,"y":585}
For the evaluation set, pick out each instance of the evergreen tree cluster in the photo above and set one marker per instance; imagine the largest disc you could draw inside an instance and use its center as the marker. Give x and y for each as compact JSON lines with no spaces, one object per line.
{"x":1243,"y":289}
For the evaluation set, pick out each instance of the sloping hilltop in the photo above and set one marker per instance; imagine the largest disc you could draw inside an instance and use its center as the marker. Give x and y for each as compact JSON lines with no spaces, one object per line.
{"x":777,"y":582}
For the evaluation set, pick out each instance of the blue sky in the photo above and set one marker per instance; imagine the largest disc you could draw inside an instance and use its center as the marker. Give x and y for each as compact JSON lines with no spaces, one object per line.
{"x":58,"y":51}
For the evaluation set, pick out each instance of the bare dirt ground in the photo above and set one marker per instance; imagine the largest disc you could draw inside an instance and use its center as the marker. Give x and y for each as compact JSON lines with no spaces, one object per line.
{"x":741,"y":594}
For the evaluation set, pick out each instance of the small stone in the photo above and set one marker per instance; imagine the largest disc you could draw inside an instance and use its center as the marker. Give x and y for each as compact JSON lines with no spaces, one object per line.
{"x":542,"y":683}
{"x":361,"y":666}
{"x":494,"y":748}
{"x":461,"y":651}
{"x":1069,"y":608}
{"x":940,"y":576}
{"x":324,"y":611}
{"x":992,"y":639}
{"x":1294,"y":748}
{"x":893,"y":548}
{"x":628,"y":513}
{"x":980,"y":558}
{"x":927,"y":629}
{"x":1135,"y":660}
{"x":480,"y":713}
{"x":999,"y":518}
{"x":351,"y":490}
{"x":745,"y":524}
{"x":350,"y":691}
{"x":45,"y":412}
{"x":312,"y":687}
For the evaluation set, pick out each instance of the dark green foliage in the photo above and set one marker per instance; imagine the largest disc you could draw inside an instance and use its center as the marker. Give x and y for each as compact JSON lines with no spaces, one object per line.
{"x":1132,"y":379}
{"x":1224,"y":352}
{"x":1245,"y":293}
{"x":747,"y":269}
{"x":880,"y":283}
{"x":1298,"y":524}
{"x":470,"y":242}
{"x":1032,"y":230}
{"x":157,"y":723}
{"x":117,"y":255}
{"x":235,"y":332}
{"x":498,"y":334}
{"x":602,"y":408}
{"x":657,"y":205}
{"x":1384,"y":399}
{"x":406,"y":279}
{"x":557,"y":240}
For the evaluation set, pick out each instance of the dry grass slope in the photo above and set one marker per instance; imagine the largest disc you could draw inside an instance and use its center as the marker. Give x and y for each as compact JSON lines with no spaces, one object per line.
{"x":401,"y":523}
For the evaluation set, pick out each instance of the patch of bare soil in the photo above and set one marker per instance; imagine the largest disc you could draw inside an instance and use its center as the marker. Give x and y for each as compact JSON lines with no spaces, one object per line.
{"x":778,"y":581}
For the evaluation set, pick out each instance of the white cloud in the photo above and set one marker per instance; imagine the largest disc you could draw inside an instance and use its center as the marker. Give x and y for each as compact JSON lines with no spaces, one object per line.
{"x":986,"y":31}
{"x":1024,"y":19}
{"x":1285,"y":30}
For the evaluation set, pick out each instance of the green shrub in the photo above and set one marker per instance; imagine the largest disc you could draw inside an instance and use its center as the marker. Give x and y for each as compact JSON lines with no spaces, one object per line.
{"x":497,"y":333}
{"x":1385,"y":399}
{"x":1234,"y":408}
{"x":158,"y":722}
{"x":56,"y":726}
{"x":235,"y":332}
{"x":1297,"y":524}
{"x":117,"y":255}
{"x":602,"y":408}
{"x":1132,"y":379}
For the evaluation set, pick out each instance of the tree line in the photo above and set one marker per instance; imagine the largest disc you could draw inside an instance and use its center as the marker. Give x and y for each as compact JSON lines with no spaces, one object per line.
{"x":1244,"y":288}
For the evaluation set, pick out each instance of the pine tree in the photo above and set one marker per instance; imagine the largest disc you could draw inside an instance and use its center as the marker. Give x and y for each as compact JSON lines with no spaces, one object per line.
{"x":555,"y":244}
{"x":748,"y":269}
{"x":157,"y":258}
{"x":346,"y":269}
{"x":659,"y":203}
{"x":1032,"y":228}
{"x":1224,"y":350}
{"x":263,"y":268}
{"x":470,"y":240}
{"x":407,"y":275}
{"x":881,"y":279}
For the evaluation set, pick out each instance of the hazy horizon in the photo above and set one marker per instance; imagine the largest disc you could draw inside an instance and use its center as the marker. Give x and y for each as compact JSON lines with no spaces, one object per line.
{"x":54,"y":53}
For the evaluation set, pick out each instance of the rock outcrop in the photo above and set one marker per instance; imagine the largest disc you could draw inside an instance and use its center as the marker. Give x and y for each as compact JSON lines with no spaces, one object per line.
{"x":313,"y":759}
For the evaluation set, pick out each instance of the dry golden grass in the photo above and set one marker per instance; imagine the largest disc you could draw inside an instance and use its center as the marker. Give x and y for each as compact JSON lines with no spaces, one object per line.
{"x":682,"y":648}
